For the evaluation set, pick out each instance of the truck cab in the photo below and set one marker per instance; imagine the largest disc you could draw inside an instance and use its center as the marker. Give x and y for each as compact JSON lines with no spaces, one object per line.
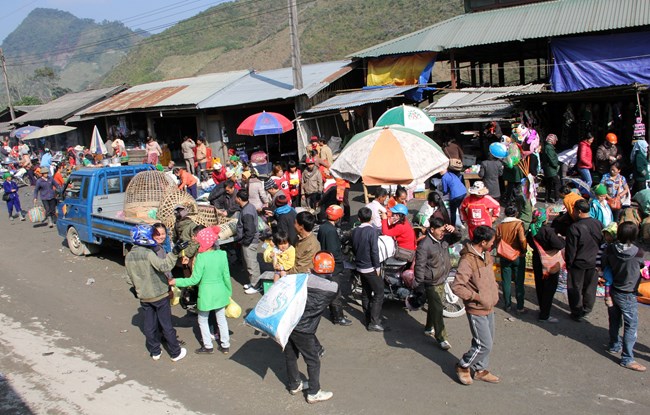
{"x":91,"y":200}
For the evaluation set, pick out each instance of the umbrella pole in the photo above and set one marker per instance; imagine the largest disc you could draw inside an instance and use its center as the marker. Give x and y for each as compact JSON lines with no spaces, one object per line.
{"x":266,"y":139}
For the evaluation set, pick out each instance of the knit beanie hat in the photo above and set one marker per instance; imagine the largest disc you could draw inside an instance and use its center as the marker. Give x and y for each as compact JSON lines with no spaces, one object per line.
{"x":281,"y":200}
{"x":600,"y":190}
{"x":270,"y":184}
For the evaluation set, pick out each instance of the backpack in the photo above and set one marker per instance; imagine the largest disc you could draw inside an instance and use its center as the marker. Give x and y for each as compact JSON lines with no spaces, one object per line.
{"x":630,"y":214}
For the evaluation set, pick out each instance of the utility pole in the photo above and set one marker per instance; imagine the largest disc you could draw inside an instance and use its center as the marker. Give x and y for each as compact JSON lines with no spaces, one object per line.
{"x":295,"y":45}
{"x":4,"y":72}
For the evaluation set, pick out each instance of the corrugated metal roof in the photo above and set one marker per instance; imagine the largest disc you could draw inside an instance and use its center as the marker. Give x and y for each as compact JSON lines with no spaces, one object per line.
{"x":171,"y":93}
{"x":277,"y":84}
{"x":359,"y":98}
{"x":531,"y":21}
{"x":478,"y":103}
{"x":64,"y":107}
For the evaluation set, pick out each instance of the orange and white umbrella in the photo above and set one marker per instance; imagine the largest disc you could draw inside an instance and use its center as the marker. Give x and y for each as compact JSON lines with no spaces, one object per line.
{"x":389,"y":155}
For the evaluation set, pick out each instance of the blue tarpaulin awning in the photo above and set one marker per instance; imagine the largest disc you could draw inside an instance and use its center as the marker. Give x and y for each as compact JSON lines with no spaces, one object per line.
{"x":600,"y":61}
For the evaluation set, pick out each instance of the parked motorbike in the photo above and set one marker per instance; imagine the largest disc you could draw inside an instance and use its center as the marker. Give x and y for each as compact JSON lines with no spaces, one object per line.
{"x":399,"y":282}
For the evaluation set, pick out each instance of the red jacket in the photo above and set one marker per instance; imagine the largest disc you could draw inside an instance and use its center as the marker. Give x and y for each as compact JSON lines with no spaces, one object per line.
{"x":402,"y":232}
{"x":584,"y":156}
{"x":219,"y":177}
{"x":477,"y":211}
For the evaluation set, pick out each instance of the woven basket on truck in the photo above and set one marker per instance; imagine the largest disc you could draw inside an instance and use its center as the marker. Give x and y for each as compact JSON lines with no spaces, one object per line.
{"x":228,"y":229}
{"x":145,"y":193}
{"x":207,"y":216}
{"x":170,"y":200}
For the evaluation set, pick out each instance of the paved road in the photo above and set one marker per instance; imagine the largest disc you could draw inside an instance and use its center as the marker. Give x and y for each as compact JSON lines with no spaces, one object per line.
{"x":68,"y":347}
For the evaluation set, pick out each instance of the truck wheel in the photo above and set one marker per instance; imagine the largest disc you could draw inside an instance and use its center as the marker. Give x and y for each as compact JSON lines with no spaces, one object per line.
{"x":76,"y":245}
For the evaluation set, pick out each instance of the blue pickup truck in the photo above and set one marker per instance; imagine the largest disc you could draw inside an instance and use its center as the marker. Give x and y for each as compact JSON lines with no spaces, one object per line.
{"x":92,"y":197}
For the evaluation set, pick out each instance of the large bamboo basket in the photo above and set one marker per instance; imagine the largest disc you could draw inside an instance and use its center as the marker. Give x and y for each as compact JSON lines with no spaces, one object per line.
{"x":145,"y":193}
{"x":170,"y":200}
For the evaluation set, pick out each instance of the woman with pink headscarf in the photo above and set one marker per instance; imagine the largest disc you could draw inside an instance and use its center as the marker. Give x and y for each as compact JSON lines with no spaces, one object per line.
{"x":212,"y":275}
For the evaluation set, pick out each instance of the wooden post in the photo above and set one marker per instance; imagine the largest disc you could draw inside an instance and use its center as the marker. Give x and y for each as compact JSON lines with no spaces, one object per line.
{"x":480,"y":74}
{"x":522,"y":72}
{"x":491,"y":78}
{"x":296,"y":64}
{"x":452,"y":64}
{"x":4,"y":73}
{"x":472,"y":66}
{"x":371,"y":123}
{"x":365,"y":194}
{"x":502,"y":74}
{"x":539,"y":69}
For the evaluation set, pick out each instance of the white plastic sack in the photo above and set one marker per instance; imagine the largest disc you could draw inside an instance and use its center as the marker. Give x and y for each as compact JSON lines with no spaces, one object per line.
{"x":386,"y":246}
{"x":280,"y":309}
{"x":569,"y":157}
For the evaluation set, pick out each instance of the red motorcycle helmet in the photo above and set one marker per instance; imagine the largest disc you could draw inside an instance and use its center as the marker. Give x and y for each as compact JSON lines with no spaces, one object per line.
{"x":334,"y":212}
{"x":323,"y":263}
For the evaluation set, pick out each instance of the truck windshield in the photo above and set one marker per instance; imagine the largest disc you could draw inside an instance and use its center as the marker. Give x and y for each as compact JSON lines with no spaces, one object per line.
{"x":73,"y":188}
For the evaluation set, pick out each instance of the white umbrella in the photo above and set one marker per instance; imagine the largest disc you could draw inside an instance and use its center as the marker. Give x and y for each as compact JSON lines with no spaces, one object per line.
{"x":49,"y":130}
{"x":389,"y":155}
{"x":97,"y":145}
{"x":407,"y":116}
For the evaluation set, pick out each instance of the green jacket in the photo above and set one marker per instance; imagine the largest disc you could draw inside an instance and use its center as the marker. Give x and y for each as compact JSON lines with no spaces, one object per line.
{"x":550,"y":162}
{"x":212,"y":275}
{"x":146,"y":272}
{"x":641,"y":169}
{"x":184,"y":229}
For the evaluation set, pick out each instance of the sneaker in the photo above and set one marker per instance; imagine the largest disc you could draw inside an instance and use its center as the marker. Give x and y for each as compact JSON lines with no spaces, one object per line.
{"x":375,"y":327}
{"x":464,"y":375}
{"x":637,"y":367}
{"x":181,"y":355}
{"x":22,"y":218}
{"x":319,"y":397}
{"x":343,"y":322}
{"x":224,"y":350}
{"x":11,"y":218}
{"x":247,"y":286}
{"x":614,"y":350}
{"x":551,"y":320}
{"x":301,"y":387}
{"x":486,"y":376}
{"x":252,"y":290}
{"x":521,"y":311}
{"x":156,"y":356}
{"x":430,"y":333}
{"x":444,"y":345}
{"x":204,"y":350}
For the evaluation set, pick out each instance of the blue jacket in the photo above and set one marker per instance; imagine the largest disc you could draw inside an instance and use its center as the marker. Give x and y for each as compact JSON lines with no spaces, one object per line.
{"x":366,"y":248}
{"x":9,"y":187}
{"x":46,"y":160}
{"x":45,"y":188}
{"x":452,"y":186}
{"x":598,"y":212}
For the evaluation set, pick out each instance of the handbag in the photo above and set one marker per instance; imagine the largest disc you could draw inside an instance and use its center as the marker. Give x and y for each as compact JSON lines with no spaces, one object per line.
{"x":614,"y":202}
{"x":506,"y":251}
{"x":552,"y":261}
{"x":6,"y":197}
{"x":403,"y":254}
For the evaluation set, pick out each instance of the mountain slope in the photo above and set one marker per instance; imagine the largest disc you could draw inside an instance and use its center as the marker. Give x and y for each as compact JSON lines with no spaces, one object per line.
{"x":56,"y":39}
{"x":254,"y":34}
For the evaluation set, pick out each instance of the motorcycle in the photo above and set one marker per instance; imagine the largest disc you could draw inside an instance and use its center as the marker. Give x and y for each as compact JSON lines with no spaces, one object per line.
{"x":399,"y":282}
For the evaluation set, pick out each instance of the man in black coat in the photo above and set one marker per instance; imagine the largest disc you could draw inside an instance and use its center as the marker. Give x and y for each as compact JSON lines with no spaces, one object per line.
{"x":329,"y":241}
{"x":222,"y":197}
{"x":583,"y":241}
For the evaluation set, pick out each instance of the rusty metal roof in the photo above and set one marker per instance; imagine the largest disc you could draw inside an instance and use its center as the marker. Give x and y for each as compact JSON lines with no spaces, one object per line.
{"x":183,"y":92}
{"x":531,"y":21}
{"x":64,"y":107}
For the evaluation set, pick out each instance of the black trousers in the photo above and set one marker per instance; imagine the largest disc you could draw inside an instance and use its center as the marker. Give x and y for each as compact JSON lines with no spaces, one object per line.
{"x":372,"y":297}
{"x":336,"y":306}
{"x":50,"y":208}
{"x":581,"y":290}
{"x":307,"y":345}
{"x":552,"y":188}
{"x":158,"y":316}
{"x":545,"y":289}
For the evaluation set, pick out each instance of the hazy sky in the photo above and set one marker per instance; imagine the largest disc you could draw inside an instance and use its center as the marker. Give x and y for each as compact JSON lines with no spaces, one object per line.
{"x":136,"y":14}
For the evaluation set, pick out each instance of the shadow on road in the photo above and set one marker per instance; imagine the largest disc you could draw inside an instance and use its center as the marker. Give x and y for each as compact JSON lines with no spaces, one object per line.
{"x":11,"y":402}
{"x":260,"y":355}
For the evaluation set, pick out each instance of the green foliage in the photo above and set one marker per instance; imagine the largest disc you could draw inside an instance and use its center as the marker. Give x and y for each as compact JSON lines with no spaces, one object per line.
{"x":28,"y":100}
{"x":330,"y":30}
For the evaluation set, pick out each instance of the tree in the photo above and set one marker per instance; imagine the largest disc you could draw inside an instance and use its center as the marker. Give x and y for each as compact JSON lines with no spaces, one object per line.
{"x":45,"y":79}
{"x":28,"y":101}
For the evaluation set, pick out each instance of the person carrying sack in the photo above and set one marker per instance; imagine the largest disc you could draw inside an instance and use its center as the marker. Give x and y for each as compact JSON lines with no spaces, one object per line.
{"x":46,"y":188}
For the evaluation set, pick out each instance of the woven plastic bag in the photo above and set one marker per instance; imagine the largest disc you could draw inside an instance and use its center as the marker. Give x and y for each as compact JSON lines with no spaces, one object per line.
{"x":280,"y":309}
{"x":36,"y":214}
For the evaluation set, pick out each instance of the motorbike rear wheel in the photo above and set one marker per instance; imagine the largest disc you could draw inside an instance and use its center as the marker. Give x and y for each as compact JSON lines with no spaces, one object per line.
{"x":452,"y":306}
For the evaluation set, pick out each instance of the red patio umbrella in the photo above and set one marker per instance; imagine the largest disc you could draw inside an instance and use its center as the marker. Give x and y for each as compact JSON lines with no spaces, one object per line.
{"x":265,"y":123}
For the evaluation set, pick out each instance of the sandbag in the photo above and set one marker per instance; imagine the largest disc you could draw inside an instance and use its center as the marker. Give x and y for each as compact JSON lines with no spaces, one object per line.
{"x":280,"y":309}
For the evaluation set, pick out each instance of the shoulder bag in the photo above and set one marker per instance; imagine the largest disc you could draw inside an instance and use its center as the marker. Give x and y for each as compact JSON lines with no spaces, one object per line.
{"x":506,"y":251}
{"x":403,"y":254}
{"x":552,"y":260}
